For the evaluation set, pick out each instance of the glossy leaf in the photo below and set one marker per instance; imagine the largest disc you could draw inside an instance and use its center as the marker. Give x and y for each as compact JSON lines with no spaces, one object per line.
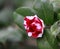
{"x":26,"y":11}
{"x":19,"y":15}
{"x":55,"y":28}
{"x":58,"y":16}
{"x":47,"y":41}
{"x":43,"y":44}
{"x":56,"y":5}
{"x":18,"y":19}
{"x":45,"y":11}
{"x":50,"y":38}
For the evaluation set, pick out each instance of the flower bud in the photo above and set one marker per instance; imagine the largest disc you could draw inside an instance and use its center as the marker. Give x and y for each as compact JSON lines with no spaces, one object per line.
{"x":34,"y":26}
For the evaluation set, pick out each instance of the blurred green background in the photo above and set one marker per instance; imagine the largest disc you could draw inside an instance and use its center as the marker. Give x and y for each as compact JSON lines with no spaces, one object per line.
{"x":11,"y":35}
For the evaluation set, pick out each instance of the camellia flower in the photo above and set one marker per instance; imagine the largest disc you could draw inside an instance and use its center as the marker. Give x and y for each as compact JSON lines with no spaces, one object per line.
{"x":34,"y":26}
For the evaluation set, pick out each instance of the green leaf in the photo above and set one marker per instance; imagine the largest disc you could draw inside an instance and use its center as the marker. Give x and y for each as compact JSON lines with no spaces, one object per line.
{"x":25,"y":11}
{"x":45,"y":11}
{"x":47,"y":41}
{"x":56,"y":5}
{"x":50,"y":38}
{"x":43,"y":44}
{"x":19,"y":20}
{"x":58,"y":16}
{"x":53,"y":34}
{"x":19,"y":14}
{"x":55,"y":28}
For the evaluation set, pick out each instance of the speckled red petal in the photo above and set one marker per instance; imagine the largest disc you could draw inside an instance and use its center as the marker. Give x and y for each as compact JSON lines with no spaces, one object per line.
{"x":34,"y":26}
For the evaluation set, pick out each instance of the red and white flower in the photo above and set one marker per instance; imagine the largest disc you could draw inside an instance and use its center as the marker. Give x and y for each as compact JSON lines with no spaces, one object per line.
{"x":34,"y":26}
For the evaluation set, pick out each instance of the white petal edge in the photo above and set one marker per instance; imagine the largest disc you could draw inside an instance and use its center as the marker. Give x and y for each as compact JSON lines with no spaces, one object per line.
{"x":40,"y":35}
{"x":24,"y":22}
{"x":29,"y":34}
{"x":30,"y":17}
{"x":25,"y":27}
{"x":35,"y":16}
{"x":42,"y":23}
